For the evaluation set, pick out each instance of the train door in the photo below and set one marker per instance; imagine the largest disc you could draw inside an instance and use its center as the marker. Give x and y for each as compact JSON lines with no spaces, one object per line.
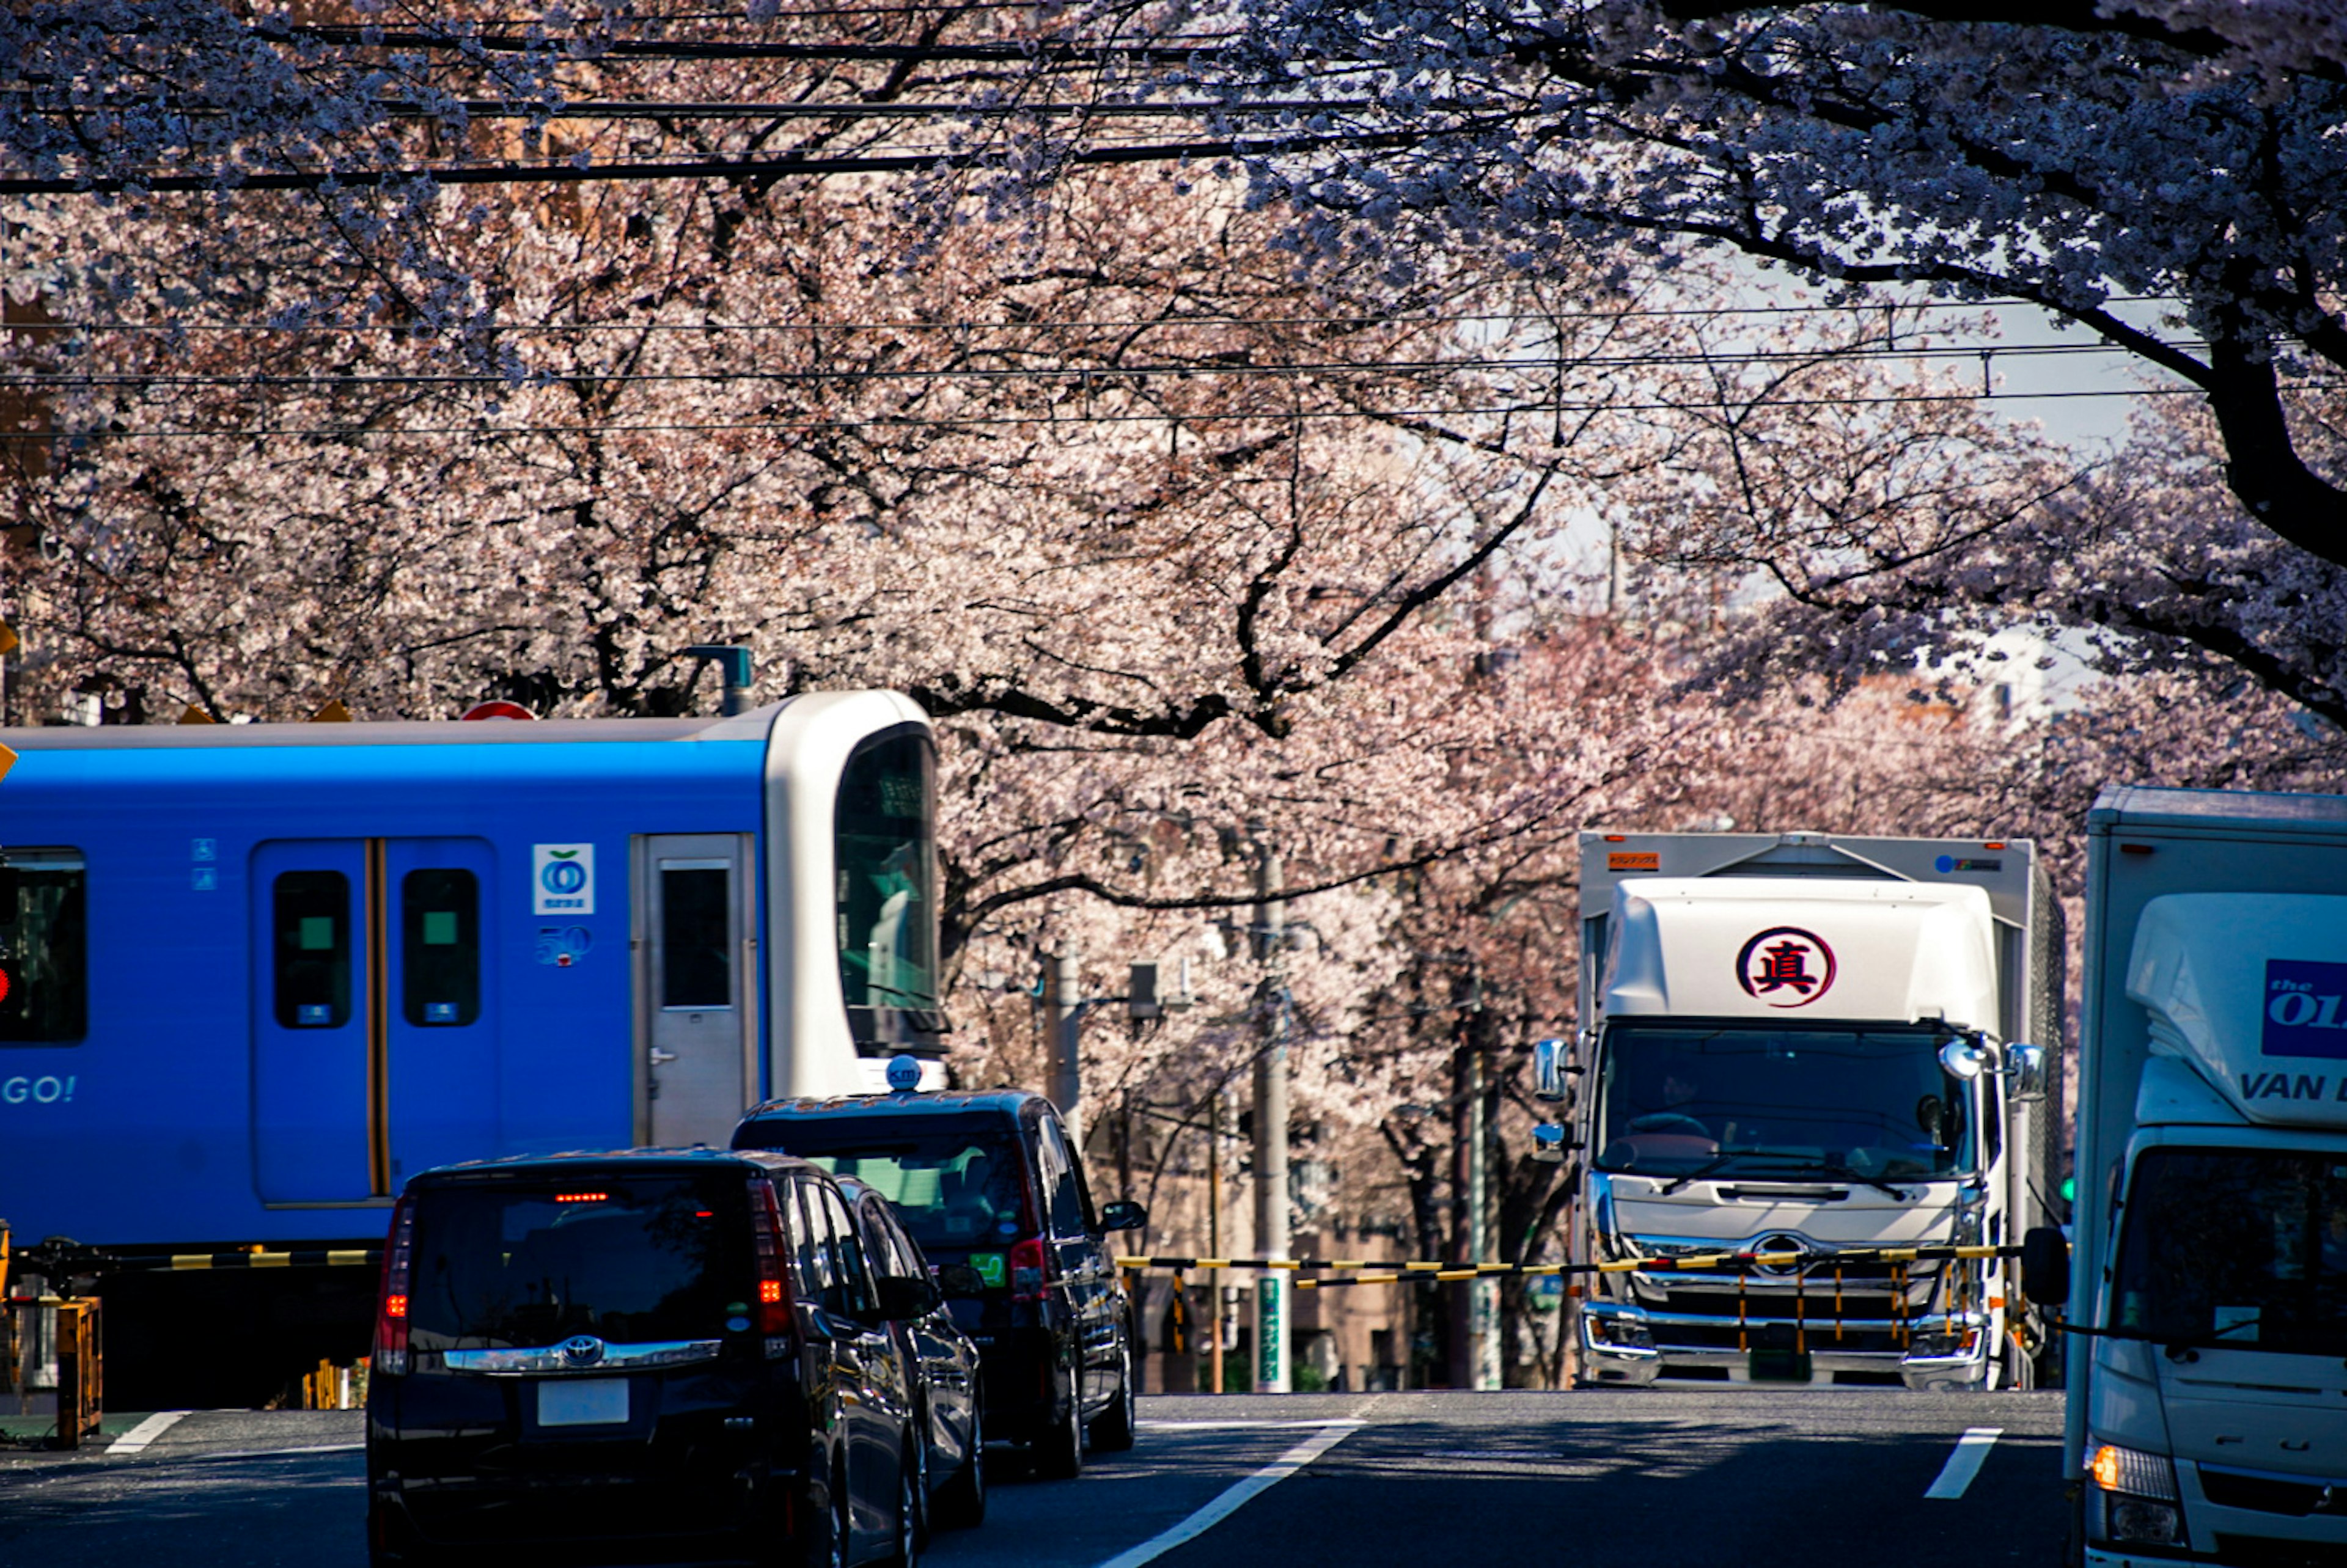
{"x":695,"y":986}
{"x":375,"y":1044}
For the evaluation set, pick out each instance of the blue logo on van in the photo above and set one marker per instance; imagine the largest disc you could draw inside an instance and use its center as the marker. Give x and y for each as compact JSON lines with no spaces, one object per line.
{"x":2304,"y":1004}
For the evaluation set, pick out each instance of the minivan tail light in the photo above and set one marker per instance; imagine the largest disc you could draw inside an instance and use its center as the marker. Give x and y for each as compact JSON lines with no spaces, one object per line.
{"x":774,"y":1275}
{"x":1027,"y":1271}
{"x":391,"y":1316}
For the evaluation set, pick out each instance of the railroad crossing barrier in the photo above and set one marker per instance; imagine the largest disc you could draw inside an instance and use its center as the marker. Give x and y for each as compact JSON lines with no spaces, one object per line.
{"x":1904,"y":1322}
{"x":1398,"y":1273}
{"x":309,"y":1258}
{"x":81,"y":1368}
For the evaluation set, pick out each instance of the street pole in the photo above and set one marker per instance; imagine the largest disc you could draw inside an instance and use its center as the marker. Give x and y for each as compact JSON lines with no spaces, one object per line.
{"x":1271,"y":1325}
{"x":1483,"y":1294}
{"x":1063,"y":1005}
{"x":1214,"y":1237}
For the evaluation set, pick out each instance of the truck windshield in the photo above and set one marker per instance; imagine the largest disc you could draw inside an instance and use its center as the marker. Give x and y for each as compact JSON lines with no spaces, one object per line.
{"x":2237,"y":1247}
{"x":1743,"y":1099}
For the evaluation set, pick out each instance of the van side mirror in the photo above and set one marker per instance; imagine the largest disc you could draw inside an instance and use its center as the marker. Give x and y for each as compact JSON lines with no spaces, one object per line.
{"x":1123,"y":1215}
{"x":2045,"y":1266}
{"x":903,"y":1297}
{"x":1551,"y":1064}
{"x":959,"y":1282}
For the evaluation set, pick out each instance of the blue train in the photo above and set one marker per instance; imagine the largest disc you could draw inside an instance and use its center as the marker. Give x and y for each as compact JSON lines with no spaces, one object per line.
{"x":256,"y":975}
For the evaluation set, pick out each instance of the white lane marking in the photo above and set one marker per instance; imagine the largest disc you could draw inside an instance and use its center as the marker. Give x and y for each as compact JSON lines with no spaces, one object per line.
{"x":1972,"y":1452}
{"x":1236,"y":1497}
{"x":1243,"y":1426}
{"x":208,"y":1456}
{"x":147,"y":1431}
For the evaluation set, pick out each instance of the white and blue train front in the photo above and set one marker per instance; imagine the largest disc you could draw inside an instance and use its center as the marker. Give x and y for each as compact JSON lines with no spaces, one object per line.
{"x":258,"y":975}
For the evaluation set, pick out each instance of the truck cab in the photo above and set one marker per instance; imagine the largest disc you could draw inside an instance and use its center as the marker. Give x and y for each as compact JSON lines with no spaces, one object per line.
{"x":2207,"y":1422}
{"x":1804,"y":1047}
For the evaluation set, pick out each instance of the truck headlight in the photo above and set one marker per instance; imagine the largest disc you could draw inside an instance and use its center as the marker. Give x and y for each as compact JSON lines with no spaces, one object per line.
{"x":2132,"y":1472}
{"x":2151,"y":1523}
{"x":2138,"y":1494}
{"x":1615,"y":1331}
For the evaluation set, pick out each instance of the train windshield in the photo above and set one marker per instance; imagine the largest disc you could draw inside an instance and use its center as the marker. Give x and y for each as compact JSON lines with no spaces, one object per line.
{"x":887,"y":853}
{"x":2236,"y":1247}
{"x":1751,"y":1101}
{"x":630,"y":1260}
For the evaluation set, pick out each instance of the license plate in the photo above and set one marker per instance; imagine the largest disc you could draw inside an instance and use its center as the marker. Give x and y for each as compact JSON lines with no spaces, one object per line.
{"x":582,"y":1401}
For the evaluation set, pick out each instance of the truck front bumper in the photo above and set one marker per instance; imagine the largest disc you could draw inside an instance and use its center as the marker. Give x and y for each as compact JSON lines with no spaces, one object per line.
{"x":1627,"y":1346}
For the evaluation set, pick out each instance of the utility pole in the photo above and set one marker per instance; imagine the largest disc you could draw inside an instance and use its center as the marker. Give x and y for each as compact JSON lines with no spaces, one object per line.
{"x":1271,"y":1371}
{"x":1063,"y":1013}
{"x":1474,"y":1342}
{"x":1214,"y":1237}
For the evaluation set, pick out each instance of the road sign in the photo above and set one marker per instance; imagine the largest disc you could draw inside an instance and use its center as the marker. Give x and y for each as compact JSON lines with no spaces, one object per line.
{"x":9,"y":642}
{"x":497,"y":709}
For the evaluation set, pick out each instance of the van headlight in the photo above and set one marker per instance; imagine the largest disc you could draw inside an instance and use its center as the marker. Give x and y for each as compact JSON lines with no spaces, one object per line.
{"x":2139,"y":1491}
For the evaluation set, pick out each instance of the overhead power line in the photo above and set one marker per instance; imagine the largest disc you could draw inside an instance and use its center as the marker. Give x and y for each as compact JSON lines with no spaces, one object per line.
{"x":1067,"y":419}
{"x":1109,"y":374}
{"x":781,"y":166}
{"x":1119,"y":323}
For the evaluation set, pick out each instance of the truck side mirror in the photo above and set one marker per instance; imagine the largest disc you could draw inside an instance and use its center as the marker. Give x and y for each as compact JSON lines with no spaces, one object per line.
{"x":2028,"y":1064}
{"x":1550,"y":1143}
{"x":1961,"y":1059}
{"x":2045,"y":1266}
{"x":1549,"y":1070}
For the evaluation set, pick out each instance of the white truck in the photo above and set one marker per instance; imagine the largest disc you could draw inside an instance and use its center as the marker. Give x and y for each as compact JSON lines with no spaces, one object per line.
{"x":2207,"y":1403}
{"x":1803,"y":1045}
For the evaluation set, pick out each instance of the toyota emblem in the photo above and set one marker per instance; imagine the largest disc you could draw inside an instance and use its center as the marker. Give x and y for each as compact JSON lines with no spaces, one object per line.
{"x":583,"y":1350}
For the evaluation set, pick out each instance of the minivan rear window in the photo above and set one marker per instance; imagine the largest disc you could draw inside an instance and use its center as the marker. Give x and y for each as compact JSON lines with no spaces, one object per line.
{"x":956,"y":1182}
{"x":632,"y":1259}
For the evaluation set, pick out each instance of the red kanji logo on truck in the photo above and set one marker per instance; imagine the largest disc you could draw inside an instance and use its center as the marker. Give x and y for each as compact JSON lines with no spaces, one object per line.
{"x":1786,"y":966}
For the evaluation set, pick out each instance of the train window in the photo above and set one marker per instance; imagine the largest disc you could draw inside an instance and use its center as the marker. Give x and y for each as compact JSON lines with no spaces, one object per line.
{"x":311,"y":915}
{"x":44,"y":979}
{"x":440,"y":947}
{"x":696,"y":945}
{"x":887,"y":854}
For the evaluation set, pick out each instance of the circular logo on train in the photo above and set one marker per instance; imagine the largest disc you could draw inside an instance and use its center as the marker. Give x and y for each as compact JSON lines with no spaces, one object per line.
{"x":1786,"y":966}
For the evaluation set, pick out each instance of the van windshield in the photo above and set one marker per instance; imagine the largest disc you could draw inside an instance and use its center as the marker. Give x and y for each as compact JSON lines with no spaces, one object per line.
{"x":2242,"y":1247}
{"x":956,"y":1181}
{"x":632,"y":1260}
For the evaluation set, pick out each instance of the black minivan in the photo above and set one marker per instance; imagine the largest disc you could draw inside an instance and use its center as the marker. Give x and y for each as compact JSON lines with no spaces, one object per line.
{"x":990,"y":1179}
{"x":651,"y":1355}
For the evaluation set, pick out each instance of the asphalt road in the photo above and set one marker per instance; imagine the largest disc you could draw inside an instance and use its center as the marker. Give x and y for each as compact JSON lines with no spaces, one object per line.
{"x":1598,"y":1479}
